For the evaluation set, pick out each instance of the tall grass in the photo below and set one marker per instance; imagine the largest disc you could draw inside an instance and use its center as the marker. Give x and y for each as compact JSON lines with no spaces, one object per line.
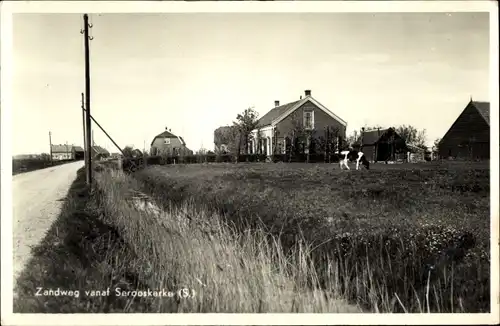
{"x":191,"y":247}
{"x":393,"y":239}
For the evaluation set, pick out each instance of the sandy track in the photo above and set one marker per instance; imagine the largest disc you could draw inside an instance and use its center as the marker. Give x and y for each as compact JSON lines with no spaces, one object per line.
{"x":37,"y":198}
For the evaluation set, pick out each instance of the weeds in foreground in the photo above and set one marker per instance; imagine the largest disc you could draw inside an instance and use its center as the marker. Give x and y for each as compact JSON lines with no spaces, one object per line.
{"x":79,"y":253}
{"x":400,"y":240}
{"x":186,"y":247}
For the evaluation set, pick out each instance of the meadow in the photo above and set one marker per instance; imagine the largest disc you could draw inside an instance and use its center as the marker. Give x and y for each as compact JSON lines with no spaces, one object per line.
{"x":397,"y":238}
{"x":32,"y":164}
{"x":270,"y":237}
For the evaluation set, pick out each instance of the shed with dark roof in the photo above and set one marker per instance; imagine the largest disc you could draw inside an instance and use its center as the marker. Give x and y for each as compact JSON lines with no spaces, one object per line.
{"x":469,"y":136}
{"x":381,"y":144}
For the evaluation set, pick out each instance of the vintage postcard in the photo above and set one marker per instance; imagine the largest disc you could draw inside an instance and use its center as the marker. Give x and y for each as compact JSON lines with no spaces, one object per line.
{"x":249,"y":162}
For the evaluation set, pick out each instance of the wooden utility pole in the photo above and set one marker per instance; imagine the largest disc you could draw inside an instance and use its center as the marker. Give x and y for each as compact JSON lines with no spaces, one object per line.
{"x":88,"y":127}
{"x":85,"y":153}
{"x":50,"y":144}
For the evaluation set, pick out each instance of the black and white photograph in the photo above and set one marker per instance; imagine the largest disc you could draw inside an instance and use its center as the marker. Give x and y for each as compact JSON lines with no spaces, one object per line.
{"x":265,"y":159}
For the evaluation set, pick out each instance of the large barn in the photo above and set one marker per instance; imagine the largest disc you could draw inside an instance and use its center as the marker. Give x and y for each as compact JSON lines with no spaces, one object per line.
{"x":469,"y":136}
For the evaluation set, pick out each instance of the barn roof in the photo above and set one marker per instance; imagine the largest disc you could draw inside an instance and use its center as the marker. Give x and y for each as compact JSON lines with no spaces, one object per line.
{"x":372,"y":136}
{"x":168,"y":134}
{"x":61,"y":148}
{"x":484,"y":109}
{"x":275,"y":113}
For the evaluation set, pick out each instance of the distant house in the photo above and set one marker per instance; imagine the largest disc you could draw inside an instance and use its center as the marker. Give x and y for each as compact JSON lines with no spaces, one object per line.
{"x":61,"y":152}
{"x":77,"y":153}
{"x":382,"y":145}
{"x":469,"y":135}
{"x":99,"y":153}
{"x":278,"y":125}
{"x":167,"y":143}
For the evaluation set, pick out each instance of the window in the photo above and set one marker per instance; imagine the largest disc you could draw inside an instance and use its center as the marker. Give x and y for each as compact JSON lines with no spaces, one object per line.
{"x":309,"y":119}
{"x":167,"y":141}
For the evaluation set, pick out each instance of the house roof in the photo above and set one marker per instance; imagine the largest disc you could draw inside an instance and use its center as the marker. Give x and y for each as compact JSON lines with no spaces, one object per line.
{"x":61,"y":148}
{"x":279,"y":113}
{"x":484,"y":109}
{"x":78,"y":149}
{"x":275,"y":113}
{"x":168,"y":134}
{"x":99,"y":150}
{"x":372,"y":136}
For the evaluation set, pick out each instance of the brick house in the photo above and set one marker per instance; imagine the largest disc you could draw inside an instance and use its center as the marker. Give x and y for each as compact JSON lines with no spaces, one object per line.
{"x":277,"y":126}
{"x":469,"y":136}
{"x":167,"y":143}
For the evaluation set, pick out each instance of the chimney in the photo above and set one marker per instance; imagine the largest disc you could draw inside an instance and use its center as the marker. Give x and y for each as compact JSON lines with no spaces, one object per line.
{"x":307,"y":92}
{"x":276,"y":103}
{"x":301,"y":97}
{"x":166,"y":128}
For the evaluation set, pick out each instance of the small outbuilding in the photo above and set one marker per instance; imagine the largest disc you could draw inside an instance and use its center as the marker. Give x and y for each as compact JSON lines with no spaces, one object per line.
{"x":382,"y":145}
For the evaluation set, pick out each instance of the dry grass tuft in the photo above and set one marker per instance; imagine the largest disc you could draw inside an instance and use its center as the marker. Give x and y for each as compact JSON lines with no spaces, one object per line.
{"x":186,"y":247}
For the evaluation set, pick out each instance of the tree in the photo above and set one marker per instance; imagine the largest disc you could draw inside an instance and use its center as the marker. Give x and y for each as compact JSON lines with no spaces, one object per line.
{"x":258,"y":139}
{"x":45,"y":157}
{"x":245,"y":123}
{"x":128,"y":151}
{"x":300,"y":136}
{"x":202,"y":151}
{"x":352,"y":139}
{"x":412,"y":135}
{"x":435,"y":147}
{"x":330,"y":143}
{"x":225,"y":139}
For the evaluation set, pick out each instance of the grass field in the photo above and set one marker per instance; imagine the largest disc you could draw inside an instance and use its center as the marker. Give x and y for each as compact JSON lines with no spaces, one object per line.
{"x":270,"y":238}
{"x":28,"y":165}
{"x":395,"y":238}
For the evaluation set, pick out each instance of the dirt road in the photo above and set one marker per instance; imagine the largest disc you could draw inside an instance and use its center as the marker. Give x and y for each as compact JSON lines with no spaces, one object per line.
{"x":36,"y":201}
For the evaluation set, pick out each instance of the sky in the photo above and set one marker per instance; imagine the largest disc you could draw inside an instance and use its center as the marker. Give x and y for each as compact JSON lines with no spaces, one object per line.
{"x":194,"y":72}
